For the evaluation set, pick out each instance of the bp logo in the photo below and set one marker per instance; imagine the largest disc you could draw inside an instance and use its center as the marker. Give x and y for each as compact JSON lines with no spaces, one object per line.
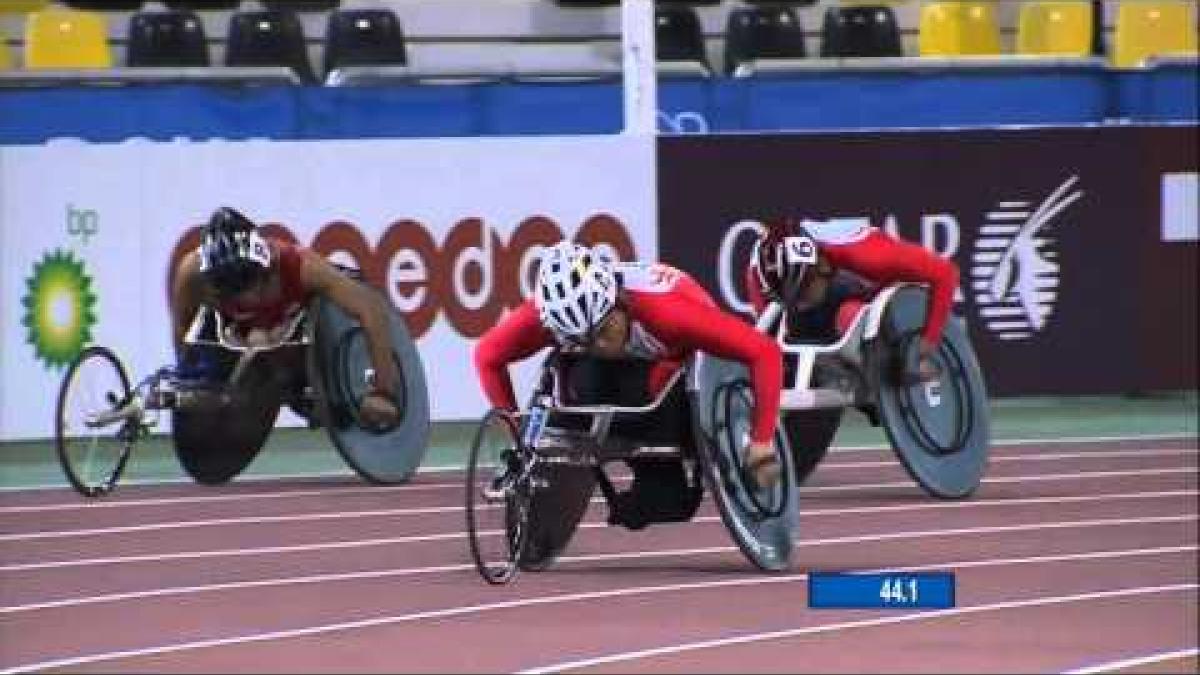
{"x":1014,"y":271}
{"x":59,"y":308}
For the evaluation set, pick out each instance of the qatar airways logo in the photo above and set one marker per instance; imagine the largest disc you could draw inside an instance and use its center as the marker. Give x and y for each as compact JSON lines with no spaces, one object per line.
{"x":1014,"y":268}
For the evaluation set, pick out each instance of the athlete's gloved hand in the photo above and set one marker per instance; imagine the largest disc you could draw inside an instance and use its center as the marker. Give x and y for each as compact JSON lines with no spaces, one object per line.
{"x":762,"y":466}
{"x":377,"y":411}
{"x":927,"y":369}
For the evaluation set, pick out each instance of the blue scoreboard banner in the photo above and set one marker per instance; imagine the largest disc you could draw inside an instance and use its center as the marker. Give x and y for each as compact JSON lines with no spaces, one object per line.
{"x":888,"y":590}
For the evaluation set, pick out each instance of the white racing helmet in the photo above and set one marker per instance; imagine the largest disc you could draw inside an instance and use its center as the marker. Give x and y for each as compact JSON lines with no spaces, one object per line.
{"x":575,"y":291}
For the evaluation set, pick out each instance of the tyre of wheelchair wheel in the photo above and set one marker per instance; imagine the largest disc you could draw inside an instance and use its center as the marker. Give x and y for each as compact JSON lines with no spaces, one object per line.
{"x":222,"y":429}
{"x":338,"y":362}
{"x":940,"y":430}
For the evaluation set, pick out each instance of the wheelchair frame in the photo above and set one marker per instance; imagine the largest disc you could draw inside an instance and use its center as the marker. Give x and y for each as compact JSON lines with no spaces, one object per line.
{"x":536,"y":444}
{"x":857,"y":360}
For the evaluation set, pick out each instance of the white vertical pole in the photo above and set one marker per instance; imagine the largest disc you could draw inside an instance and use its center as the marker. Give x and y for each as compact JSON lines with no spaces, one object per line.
{"x":640,"y":79}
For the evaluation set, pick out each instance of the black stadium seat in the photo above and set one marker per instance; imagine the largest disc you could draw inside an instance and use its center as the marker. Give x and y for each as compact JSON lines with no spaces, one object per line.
{"x":203,"y":5}
{"x":363,"y":37}
{"x":678,"y":35}
{"x":106,"y":5}
{"x":268,"y":38}
{"x":866,"y":30}
{"x":171,"y":38}
{"x":301,"y":5}
{"x":762,"y":32}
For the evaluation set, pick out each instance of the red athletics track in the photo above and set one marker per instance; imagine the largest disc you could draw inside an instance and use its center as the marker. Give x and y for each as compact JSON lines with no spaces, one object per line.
{"x":1072,"y":556}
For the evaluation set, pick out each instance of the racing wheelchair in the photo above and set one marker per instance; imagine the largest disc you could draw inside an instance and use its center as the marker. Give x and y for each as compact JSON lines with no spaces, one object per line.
{"x":531,"y":475}
{"x":317,"y":363}
{"x":939,"y":430}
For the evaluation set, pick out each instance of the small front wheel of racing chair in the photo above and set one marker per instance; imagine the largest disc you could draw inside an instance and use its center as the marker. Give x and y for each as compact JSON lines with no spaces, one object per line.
{"x":97,"y":421}
{"x":499,"y":493}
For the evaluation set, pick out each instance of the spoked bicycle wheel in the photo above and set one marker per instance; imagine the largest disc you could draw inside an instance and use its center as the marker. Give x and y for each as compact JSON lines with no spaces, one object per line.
{"x":498,"y":497}
{"x":92,"y":443}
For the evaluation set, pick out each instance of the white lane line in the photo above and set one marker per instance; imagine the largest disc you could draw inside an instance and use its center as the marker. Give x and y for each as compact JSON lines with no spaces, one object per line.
{"x":451,"y":468}
{"x":517,"y":604}
{"x":378,"y":488}
{"x":865,"y":623}
{"x":855,"y":539}
{"x":1134,"y":662}
{"x":82,"y":503}
{"x":429,"y":510}
{"x":805,"y":513}
{"x":1100,"y":454}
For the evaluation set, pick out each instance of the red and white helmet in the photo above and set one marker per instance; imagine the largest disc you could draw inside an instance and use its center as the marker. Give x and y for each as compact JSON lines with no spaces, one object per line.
{"x":575,"y":291}
{"x":782,"y":257}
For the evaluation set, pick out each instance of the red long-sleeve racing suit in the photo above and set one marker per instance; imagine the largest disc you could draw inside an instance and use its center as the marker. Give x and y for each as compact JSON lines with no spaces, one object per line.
{"x":671,"y":317}
{"x":854,"y":246}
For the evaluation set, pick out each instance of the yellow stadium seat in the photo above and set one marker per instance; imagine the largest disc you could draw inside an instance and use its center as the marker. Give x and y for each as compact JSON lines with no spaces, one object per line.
{"x":21,"y":6}
{"x":5,"y":57}
{"x":958,"y":28}
{"x":1055,"y":27}
{"x":1148,"y":27}
{"x":64,"y":38}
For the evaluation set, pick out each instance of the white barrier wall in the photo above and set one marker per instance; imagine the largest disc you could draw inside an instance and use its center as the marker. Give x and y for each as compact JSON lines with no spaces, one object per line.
{"x":87,"y":233}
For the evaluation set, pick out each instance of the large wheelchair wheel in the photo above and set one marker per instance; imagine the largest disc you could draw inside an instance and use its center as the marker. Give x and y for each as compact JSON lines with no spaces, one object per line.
{"x":558,"y":504}
{"x":809,"y":433}
{"x":940,"y":430}
{"x":762,"y":521}
{"x":338,"y":362}
{"x":222,"y":429}
{"x":497,"y":497}
{"x":92,"y":446}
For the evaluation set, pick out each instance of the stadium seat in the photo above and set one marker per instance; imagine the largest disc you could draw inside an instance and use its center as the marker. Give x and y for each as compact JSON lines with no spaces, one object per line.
{"x":5,"y":57}
{"x":22,"y":6}
{"x":268,"y":38}
{"x":1055,"y":27}
{"x":959,"y":28}
{"x":203,"y":5}
{"x":361,"y":37}
{"x":106,"y":5}
{"x":1147,"y":28}
{"x":762,"y":32}
{"x":678,"y":35}
{"x":860,"y":30}
{"x":301,"y":5}
{"x":170,"y":38}
{"x":66,"y":38}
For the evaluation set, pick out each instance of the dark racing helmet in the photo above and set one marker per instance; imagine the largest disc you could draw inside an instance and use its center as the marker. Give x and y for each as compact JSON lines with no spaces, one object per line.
{"x":783,"y":257}
{"x":233,"y":255}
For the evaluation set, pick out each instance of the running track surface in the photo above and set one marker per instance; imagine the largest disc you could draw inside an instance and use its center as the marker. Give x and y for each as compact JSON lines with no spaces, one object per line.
{"x":1071,"y":557}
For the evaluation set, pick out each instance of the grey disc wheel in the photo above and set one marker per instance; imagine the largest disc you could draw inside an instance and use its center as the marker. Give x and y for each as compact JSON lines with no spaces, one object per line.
{"x":338,"y":362}
{"x":940,"y":430}
{"x":762,"y":521}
